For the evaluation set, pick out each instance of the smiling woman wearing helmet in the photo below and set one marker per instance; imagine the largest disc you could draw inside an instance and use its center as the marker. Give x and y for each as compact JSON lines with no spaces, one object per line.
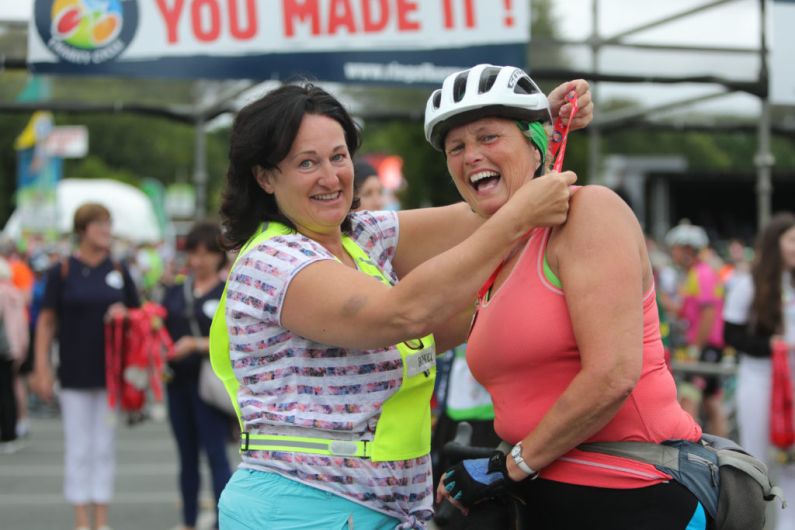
{"x":566,"y":336}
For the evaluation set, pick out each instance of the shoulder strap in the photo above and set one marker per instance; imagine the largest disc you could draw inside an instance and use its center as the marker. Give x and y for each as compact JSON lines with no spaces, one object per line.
{"x":63,"y":269}
{"x":117,"y":266}
{"x":190,"y":314}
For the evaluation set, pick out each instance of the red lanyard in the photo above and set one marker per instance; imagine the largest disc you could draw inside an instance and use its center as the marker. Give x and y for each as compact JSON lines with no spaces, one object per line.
{"x":560,"y":134}
{"x":489,"y":283}
{"x":484,"y":290}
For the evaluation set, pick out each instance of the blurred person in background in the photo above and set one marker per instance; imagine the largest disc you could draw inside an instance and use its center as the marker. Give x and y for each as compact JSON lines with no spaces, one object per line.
{"x":150,"y":267}
{"x":13,"y":346}
{"x":22,"y":278}
{"x":82,"y":292}
{"x":701,"y":309}
{"x":196,"y":425}
{"x":367,"y":186}
{"x":738,"y":261}
{"x":760,"y":309}
{"x":21,"y":274}
{"x":39,"y":262}
{"x":660,"y":266}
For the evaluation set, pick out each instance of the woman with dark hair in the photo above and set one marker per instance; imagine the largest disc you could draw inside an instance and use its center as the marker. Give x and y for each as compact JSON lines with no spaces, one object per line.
{"x":759,"y":310}
{"x":81,"y":293}
{"x":196,"y":425}
{"x":327,"y":331}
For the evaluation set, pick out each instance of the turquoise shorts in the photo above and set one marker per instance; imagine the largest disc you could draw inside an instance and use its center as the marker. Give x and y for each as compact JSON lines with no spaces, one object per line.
{"x":255,"y":500}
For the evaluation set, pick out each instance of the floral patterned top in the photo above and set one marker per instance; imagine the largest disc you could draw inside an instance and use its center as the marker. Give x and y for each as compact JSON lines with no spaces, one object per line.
{"x":290,"y":385}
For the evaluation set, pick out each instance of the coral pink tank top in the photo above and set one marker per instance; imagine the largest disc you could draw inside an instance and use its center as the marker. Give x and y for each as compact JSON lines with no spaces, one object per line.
{"x":522,"y":349}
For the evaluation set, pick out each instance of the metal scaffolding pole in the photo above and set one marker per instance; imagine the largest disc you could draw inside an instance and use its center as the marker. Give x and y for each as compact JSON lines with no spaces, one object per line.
{"x":764,"y":159}
{"x":665,"y":20}
{"x":200,"y":167}
{"x":594,"y":134}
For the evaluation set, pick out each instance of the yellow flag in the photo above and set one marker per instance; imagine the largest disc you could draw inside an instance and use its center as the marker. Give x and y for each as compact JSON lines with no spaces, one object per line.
{"x":30,"y":135}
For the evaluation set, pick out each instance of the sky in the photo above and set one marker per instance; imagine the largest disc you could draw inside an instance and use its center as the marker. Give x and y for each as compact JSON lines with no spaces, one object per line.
{"x":15,"y":9}
{"x":733,"y":24}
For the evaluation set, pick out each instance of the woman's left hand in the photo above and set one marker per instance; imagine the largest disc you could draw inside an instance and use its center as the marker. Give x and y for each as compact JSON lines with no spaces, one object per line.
{"x":471,"y":481}
{"x":559,"y":105}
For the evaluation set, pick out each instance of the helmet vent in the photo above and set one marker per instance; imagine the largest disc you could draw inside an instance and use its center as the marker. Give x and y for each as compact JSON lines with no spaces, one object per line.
{"x":437,"y":99}
{"x":487,"y":79}
{"x":525,"y":86}
{"x":460,"y":86}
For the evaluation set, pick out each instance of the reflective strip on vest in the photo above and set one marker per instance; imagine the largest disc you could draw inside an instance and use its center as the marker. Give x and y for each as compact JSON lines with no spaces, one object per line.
{"x":403,"y":430}
{"x":265,"y":442}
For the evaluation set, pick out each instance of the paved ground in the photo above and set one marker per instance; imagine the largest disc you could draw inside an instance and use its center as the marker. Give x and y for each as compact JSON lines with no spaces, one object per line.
{"x":147,"y":497}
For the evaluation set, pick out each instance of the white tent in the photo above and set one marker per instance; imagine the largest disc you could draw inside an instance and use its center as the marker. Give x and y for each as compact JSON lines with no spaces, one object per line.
{"x":133,"y":216}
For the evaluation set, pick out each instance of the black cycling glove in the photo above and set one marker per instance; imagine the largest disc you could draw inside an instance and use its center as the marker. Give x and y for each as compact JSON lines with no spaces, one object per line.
{"x":471,"y":481}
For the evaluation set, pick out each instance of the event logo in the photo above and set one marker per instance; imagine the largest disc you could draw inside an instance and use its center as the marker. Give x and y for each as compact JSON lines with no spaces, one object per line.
{"x":86,"y":31}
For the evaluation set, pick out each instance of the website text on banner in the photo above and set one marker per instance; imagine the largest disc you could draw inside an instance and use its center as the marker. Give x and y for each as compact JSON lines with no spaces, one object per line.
{"x":379,"y":41}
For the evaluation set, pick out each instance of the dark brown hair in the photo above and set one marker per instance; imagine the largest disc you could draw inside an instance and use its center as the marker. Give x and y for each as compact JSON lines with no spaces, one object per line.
{"x":262,"y":135}
{"x":208,"y":235}
{"x":767,"y":271}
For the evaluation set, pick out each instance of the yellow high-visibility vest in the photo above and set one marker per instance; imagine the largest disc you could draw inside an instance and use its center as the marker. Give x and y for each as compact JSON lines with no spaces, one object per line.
{"x":403,"y":430}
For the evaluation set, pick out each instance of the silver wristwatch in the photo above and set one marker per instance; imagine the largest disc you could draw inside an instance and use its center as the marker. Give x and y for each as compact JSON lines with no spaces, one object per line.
{"x":516,"y":454}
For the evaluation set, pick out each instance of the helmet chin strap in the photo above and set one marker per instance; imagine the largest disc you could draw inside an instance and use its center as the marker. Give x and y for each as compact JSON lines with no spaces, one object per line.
{"x":542,"y":166}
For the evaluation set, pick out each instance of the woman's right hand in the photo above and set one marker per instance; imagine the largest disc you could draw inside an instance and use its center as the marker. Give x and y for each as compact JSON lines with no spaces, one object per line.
{"x":41,"y":382}
{"x":546,"y":198}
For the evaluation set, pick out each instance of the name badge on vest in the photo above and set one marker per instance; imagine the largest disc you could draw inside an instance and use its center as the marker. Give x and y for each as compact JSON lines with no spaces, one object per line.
{"x":421,"y":362}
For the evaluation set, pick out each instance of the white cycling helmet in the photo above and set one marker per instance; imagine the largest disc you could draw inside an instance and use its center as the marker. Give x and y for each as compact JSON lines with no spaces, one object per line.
{"x":687,"y":235}
{"x":481,"y":91}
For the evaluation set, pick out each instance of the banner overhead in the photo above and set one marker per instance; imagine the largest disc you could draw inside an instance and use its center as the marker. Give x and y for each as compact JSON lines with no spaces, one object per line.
{"x":354,"y":41}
